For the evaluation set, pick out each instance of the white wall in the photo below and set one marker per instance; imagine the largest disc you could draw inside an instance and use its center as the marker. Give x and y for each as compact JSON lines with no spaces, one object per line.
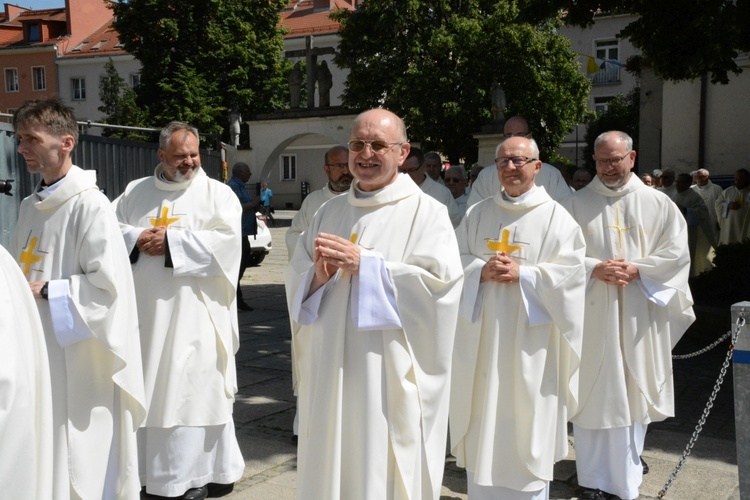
{"x":92,"y":69}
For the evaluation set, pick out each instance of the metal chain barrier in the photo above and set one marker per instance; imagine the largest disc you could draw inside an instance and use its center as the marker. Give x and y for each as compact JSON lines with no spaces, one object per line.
{"x":698,"y":428}
{"x":705,"y":349}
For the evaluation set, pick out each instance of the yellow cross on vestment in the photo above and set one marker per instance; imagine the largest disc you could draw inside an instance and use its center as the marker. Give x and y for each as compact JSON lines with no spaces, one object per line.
{"x":163,"y":220}
{"x":617,"y":226}
{"x":28,"y":258}
{"x":503,"y":245}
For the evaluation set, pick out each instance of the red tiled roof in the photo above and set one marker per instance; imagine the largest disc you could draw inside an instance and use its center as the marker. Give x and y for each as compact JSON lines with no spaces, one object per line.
{"x":104,"y":41}
{"x":42,"y":15}
{"x":301,"y":18}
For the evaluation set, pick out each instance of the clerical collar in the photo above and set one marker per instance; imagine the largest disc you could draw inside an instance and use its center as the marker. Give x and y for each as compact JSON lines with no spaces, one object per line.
{"x":522,"y":197}
{"x":44,"y":190}
{"x":366,"y":194}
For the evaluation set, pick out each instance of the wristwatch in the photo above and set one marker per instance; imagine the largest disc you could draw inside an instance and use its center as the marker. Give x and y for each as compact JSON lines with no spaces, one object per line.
{"x":44,"y":291}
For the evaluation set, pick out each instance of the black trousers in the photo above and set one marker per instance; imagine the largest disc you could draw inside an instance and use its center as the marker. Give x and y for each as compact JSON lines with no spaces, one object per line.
{"x":243,"y":265}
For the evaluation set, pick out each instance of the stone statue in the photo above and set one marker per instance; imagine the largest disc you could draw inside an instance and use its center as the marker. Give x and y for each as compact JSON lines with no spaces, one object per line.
{"x":235,"y":119}
{"x":498,"y":104}
{"x":325,"y":82}
{"x":295,"y":86}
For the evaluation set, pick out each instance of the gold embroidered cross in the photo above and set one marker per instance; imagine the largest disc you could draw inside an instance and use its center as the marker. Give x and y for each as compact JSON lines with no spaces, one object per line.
{"x":163,"y":220}
{"x":503,"y":245}
{"x":28,"y":258}
{"x":617,"y":226}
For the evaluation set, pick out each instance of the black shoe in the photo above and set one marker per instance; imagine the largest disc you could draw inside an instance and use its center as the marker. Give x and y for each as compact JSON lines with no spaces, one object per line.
{"x":592,"y":494}
{"x":216,"y":490}
{"x":195,"y":493}
{"x":242,"y":306}
{"x":645,"y":466}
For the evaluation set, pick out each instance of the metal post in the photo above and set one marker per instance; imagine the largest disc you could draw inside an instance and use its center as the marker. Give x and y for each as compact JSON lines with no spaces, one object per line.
{"x":741,"y":358}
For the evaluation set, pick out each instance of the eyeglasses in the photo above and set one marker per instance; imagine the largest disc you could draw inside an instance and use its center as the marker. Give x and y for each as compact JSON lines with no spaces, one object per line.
{"x":339,"y":166}
{"x":517,"y":134}
{"x":358,"y":145}
{"x":405,"y":170}
{"x":612,"y":161}
{"x":451,"y":180}
{"x":517,"y":161}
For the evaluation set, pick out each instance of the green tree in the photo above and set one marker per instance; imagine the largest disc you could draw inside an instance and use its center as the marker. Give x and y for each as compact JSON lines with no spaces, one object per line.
{"x":622,"y":114}
{"x":119,"y":105}
{"x":201,"y":58}
{"x":680,"y":39}
{"x":435,"y":63}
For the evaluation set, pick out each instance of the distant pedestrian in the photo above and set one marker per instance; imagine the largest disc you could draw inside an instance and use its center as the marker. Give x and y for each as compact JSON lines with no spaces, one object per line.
{"x":265,"y":197}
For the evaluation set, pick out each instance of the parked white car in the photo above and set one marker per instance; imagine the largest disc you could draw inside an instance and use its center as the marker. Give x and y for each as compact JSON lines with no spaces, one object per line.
{"x":261,"y":243}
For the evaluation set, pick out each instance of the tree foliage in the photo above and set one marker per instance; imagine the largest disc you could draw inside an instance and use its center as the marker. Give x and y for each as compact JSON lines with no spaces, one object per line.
{"x":119,"y":105}
{"x":435,"y":63}
{"x":201,"y":58}
{"x":622,"y":114}
{"x":680,"y":39}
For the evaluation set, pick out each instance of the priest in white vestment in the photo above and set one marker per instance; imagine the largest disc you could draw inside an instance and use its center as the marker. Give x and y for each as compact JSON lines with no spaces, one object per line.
{"x":374,"y":285}
{"x":414,"y":166}
{"x":26,"y":397}
{"x":638,"y":305}
{"x":336,"y":168}
{"x":733,"y":209}
{"x":183,"y":232}
{"x":710,"y":192}
{"x":518,"y":341}
{"x":457,"y":183}
{"x":700,"y":235}
{"x":68,"y":246}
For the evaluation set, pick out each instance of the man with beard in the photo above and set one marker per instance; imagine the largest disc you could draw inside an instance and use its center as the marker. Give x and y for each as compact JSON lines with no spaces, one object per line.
{"x":336,"y":168}
{"x":182,"y":230}
{"x":638,"y":305}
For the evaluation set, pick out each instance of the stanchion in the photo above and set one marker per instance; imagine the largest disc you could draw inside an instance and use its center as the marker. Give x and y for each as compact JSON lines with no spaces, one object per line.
{"x":741,"y":359}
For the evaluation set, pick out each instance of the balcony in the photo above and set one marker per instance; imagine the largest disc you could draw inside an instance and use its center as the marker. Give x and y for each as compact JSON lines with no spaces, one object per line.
{"x":610,"y":74}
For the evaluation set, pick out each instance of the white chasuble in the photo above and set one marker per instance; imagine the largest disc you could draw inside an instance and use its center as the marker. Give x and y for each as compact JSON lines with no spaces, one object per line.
{"x":187,"y":313}
{"x":734,"y":224}
{"x":629,"y":333}
{"x":373,"y":396}
{"x":71,"y":239}
{"x":518,"y":345}
{"x":25,"y":397}
{"x":303,"y":218}
{"x":442,"y":194}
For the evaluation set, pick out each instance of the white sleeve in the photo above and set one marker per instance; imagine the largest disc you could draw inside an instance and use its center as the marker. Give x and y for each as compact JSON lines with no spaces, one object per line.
{"x":190,"y":256}
{"x":68,"y":325}
{"x":373,"y":295}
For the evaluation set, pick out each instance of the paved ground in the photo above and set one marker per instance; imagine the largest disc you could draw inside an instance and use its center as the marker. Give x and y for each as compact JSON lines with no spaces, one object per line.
{"x":265,"y":406}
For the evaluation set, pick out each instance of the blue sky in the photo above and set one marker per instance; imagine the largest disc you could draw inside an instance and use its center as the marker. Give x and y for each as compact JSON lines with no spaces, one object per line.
{"x":38,"y":4}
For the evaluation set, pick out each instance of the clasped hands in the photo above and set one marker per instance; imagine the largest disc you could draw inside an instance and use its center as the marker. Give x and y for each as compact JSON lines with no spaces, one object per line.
{"x":501,"y":269}
{"x":615,"y":272}
{"x":152,"y":241}
{"x":332,"y":253}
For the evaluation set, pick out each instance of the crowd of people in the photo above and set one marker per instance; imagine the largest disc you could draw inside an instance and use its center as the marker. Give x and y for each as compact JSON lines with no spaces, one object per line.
{"x":490,"y":310}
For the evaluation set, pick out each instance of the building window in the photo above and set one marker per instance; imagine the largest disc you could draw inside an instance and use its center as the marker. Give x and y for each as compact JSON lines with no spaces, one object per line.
{"x":39,"y":78}
{"x":11,"y":79}
{"x":288,"y":167}
{"x":607,"y":50}
{"x":78,"y":85}
{"x":35,"y":33}
{"x":601,"y":104}
{"x":135,"y":80}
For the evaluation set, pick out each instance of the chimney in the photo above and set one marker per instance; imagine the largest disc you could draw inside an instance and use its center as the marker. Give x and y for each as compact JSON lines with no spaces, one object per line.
{"x":85,"y":17}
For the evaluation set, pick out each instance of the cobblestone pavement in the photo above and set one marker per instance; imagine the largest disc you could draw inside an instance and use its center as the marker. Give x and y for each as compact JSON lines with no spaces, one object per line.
{"x":265,"y":405}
